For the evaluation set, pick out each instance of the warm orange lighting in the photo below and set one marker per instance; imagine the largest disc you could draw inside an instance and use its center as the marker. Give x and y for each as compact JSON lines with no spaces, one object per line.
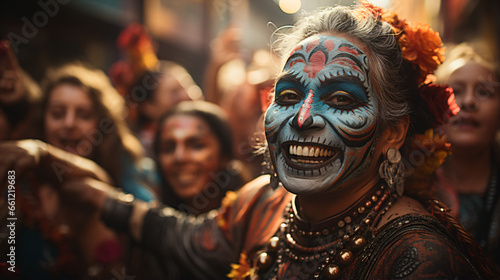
{"x":290,"y":6}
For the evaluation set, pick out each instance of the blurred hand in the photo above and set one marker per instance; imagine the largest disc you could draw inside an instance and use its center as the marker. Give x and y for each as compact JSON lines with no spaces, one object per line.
{"x":87,"y":192}
{"x":12,"y":88}
{"x":20,"y":156}
{"x":226,"y":46}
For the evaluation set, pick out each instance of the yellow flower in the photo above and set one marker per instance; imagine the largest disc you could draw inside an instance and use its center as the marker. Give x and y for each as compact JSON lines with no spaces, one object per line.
{"x":227,"y":201}
{"x":242,"y":270}
{"x":435,"y":148}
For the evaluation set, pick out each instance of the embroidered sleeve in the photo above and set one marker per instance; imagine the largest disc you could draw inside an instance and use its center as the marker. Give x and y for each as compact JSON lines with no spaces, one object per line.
{"x":420,"y":251}
{"x":207,"y":245}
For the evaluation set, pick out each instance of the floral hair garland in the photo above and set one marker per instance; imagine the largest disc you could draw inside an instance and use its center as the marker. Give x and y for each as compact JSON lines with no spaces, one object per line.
{"x":140,"y":56}
{"x":422,"y":47}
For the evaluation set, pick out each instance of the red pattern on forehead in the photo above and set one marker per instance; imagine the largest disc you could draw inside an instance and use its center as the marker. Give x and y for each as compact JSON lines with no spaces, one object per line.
{"x":329,"y":45}
{"x":348,"y":49}
{"x":305,"y":109}
{"x":346,"y":62}
{"x":316,"y":63}
{"x":300,"y":60}
{"x":312,"y":44}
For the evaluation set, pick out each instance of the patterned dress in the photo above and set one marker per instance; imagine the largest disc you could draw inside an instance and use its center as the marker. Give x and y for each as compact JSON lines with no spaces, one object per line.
{"x":204,"y":247}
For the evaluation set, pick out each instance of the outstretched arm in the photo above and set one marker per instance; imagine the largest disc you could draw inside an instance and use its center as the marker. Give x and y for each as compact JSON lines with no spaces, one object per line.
{"x":50,"y":163}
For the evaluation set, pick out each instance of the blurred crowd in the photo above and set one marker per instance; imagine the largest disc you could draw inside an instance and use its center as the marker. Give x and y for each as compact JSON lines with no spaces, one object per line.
{"x":148,"y":125}
{"x":162,"y":138}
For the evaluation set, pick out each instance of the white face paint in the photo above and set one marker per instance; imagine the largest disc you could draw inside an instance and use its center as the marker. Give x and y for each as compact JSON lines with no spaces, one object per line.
{"x":322,"y":126}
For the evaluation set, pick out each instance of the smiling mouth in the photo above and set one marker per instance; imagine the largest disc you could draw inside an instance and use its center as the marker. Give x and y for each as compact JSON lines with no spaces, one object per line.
{"x":308,"y":155}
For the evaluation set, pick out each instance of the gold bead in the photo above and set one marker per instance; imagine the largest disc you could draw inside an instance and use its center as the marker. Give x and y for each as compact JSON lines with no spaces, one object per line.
{"x":264,"y":261}
{"x":273,"y":244}
{"x":283,"y":227}
{"x":332,"y":271}
{"x":358,"y":242}
{"x":345,"y":256}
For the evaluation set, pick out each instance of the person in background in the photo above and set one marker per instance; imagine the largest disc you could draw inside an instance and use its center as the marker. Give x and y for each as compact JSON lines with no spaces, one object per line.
{"x":149,"y":86}
{"x":19,"y":97}
{"x":193,"y":151}
{"x":81,"y":114}
{"x":173,"y":85}
{"x":469,"y":181}
{"x":194,"y":157}
{"x":243,"y":91}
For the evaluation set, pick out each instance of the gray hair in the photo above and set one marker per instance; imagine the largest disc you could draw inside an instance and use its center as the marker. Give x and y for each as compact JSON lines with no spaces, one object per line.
{"x":392,"y":78}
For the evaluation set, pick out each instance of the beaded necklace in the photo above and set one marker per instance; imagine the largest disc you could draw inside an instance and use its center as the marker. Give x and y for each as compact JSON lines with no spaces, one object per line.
{"x":329,"y":246}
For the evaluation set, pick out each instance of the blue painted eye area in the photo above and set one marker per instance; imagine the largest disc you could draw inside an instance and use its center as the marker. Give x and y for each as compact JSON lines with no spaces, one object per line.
{"x":341,"y":100}
{"x":288,"y":97}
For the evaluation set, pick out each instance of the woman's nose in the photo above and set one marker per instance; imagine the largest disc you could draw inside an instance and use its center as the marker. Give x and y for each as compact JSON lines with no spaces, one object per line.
{"x":311,"y":122}
{"x":469,"y":101}
{"x":180,"y":153}
{"x":305,"y":118}
{"x":69,"y":120}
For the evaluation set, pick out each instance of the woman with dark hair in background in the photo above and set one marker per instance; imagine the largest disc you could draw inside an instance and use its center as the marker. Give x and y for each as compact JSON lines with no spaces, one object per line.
{"x":81,"y":113}
{"x":84,"y":114}
{"x":193,"y":150}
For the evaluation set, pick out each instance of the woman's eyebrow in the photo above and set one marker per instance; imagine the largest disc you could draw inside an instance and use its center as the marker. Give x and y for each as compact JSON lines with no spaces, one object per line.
{"x":342,"y":79}
{"x":288,"y":77}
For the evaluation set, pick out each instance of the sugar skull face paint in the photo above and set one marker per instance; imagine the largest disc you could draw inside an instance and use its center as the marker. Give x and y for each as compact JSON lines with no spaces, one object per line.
{"x":322,"y":127}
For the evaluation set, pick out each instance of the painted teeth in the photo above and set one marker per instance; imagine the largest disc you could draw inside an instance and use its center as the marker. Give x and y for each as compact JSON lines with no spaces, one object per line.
{"x":308,"y":151}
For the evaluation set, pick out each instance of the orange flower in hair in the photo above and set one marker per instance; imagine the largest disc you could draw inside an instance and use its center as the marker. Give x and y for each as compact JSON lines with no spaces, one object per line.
{"x":392,"y":18}
{"x":423,"y":47}
{"x":420,"y":45}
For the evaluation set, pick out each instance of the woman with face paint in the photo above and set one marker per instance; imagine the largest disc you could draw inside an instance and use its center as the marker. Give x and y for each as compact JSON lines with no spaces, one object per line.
{"x":193,"y":148}
{"x":468,"y":180}
{"x":352,"y":149}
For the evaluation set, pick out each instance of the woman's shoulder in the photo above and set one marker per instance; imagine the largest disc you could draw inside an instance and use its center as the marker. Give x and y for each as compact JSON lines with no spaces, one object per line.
{"x":251,"y":215}
{"x":402,"y":206}
{"x":416,"y":246}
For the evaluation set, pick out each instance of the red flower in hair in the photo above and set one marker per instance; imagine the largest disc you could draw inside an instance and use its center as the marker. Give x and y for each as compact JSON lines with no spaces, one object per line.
{"x":133,"y":35}
{"x":440,"y":101}
{"x":138,"y":46}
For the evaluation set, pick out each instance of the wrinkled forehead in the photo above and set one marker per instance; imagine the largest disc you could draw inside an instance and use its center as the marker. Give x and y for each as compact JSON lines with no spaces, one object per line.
{"x":325,"y":49}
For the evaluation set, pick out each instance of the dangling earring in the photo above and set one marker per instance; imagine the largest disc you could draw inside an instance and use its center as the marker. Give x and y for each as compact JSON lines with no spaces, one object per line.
{"x":274,"y":180}
{"x":392,"y":170}
{"x":269,"y":168}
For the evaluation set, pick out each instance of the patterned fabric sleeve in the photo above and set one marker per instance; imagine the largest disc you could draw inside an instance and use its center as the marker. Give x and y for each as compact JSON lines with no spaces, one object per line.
{"x":415,"y":247}
{"x":205,"y":246}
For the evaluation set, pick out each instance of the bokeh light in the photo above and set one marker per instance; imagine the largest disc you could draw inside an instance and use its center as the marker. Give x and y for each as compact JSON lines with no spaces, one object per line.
{"x":290,"y":6}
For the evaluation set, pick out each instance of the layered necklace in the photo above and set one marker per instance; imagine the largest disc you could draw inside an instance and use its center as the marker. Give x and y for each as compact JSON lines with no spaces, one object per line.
{"x":327,"y":248}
